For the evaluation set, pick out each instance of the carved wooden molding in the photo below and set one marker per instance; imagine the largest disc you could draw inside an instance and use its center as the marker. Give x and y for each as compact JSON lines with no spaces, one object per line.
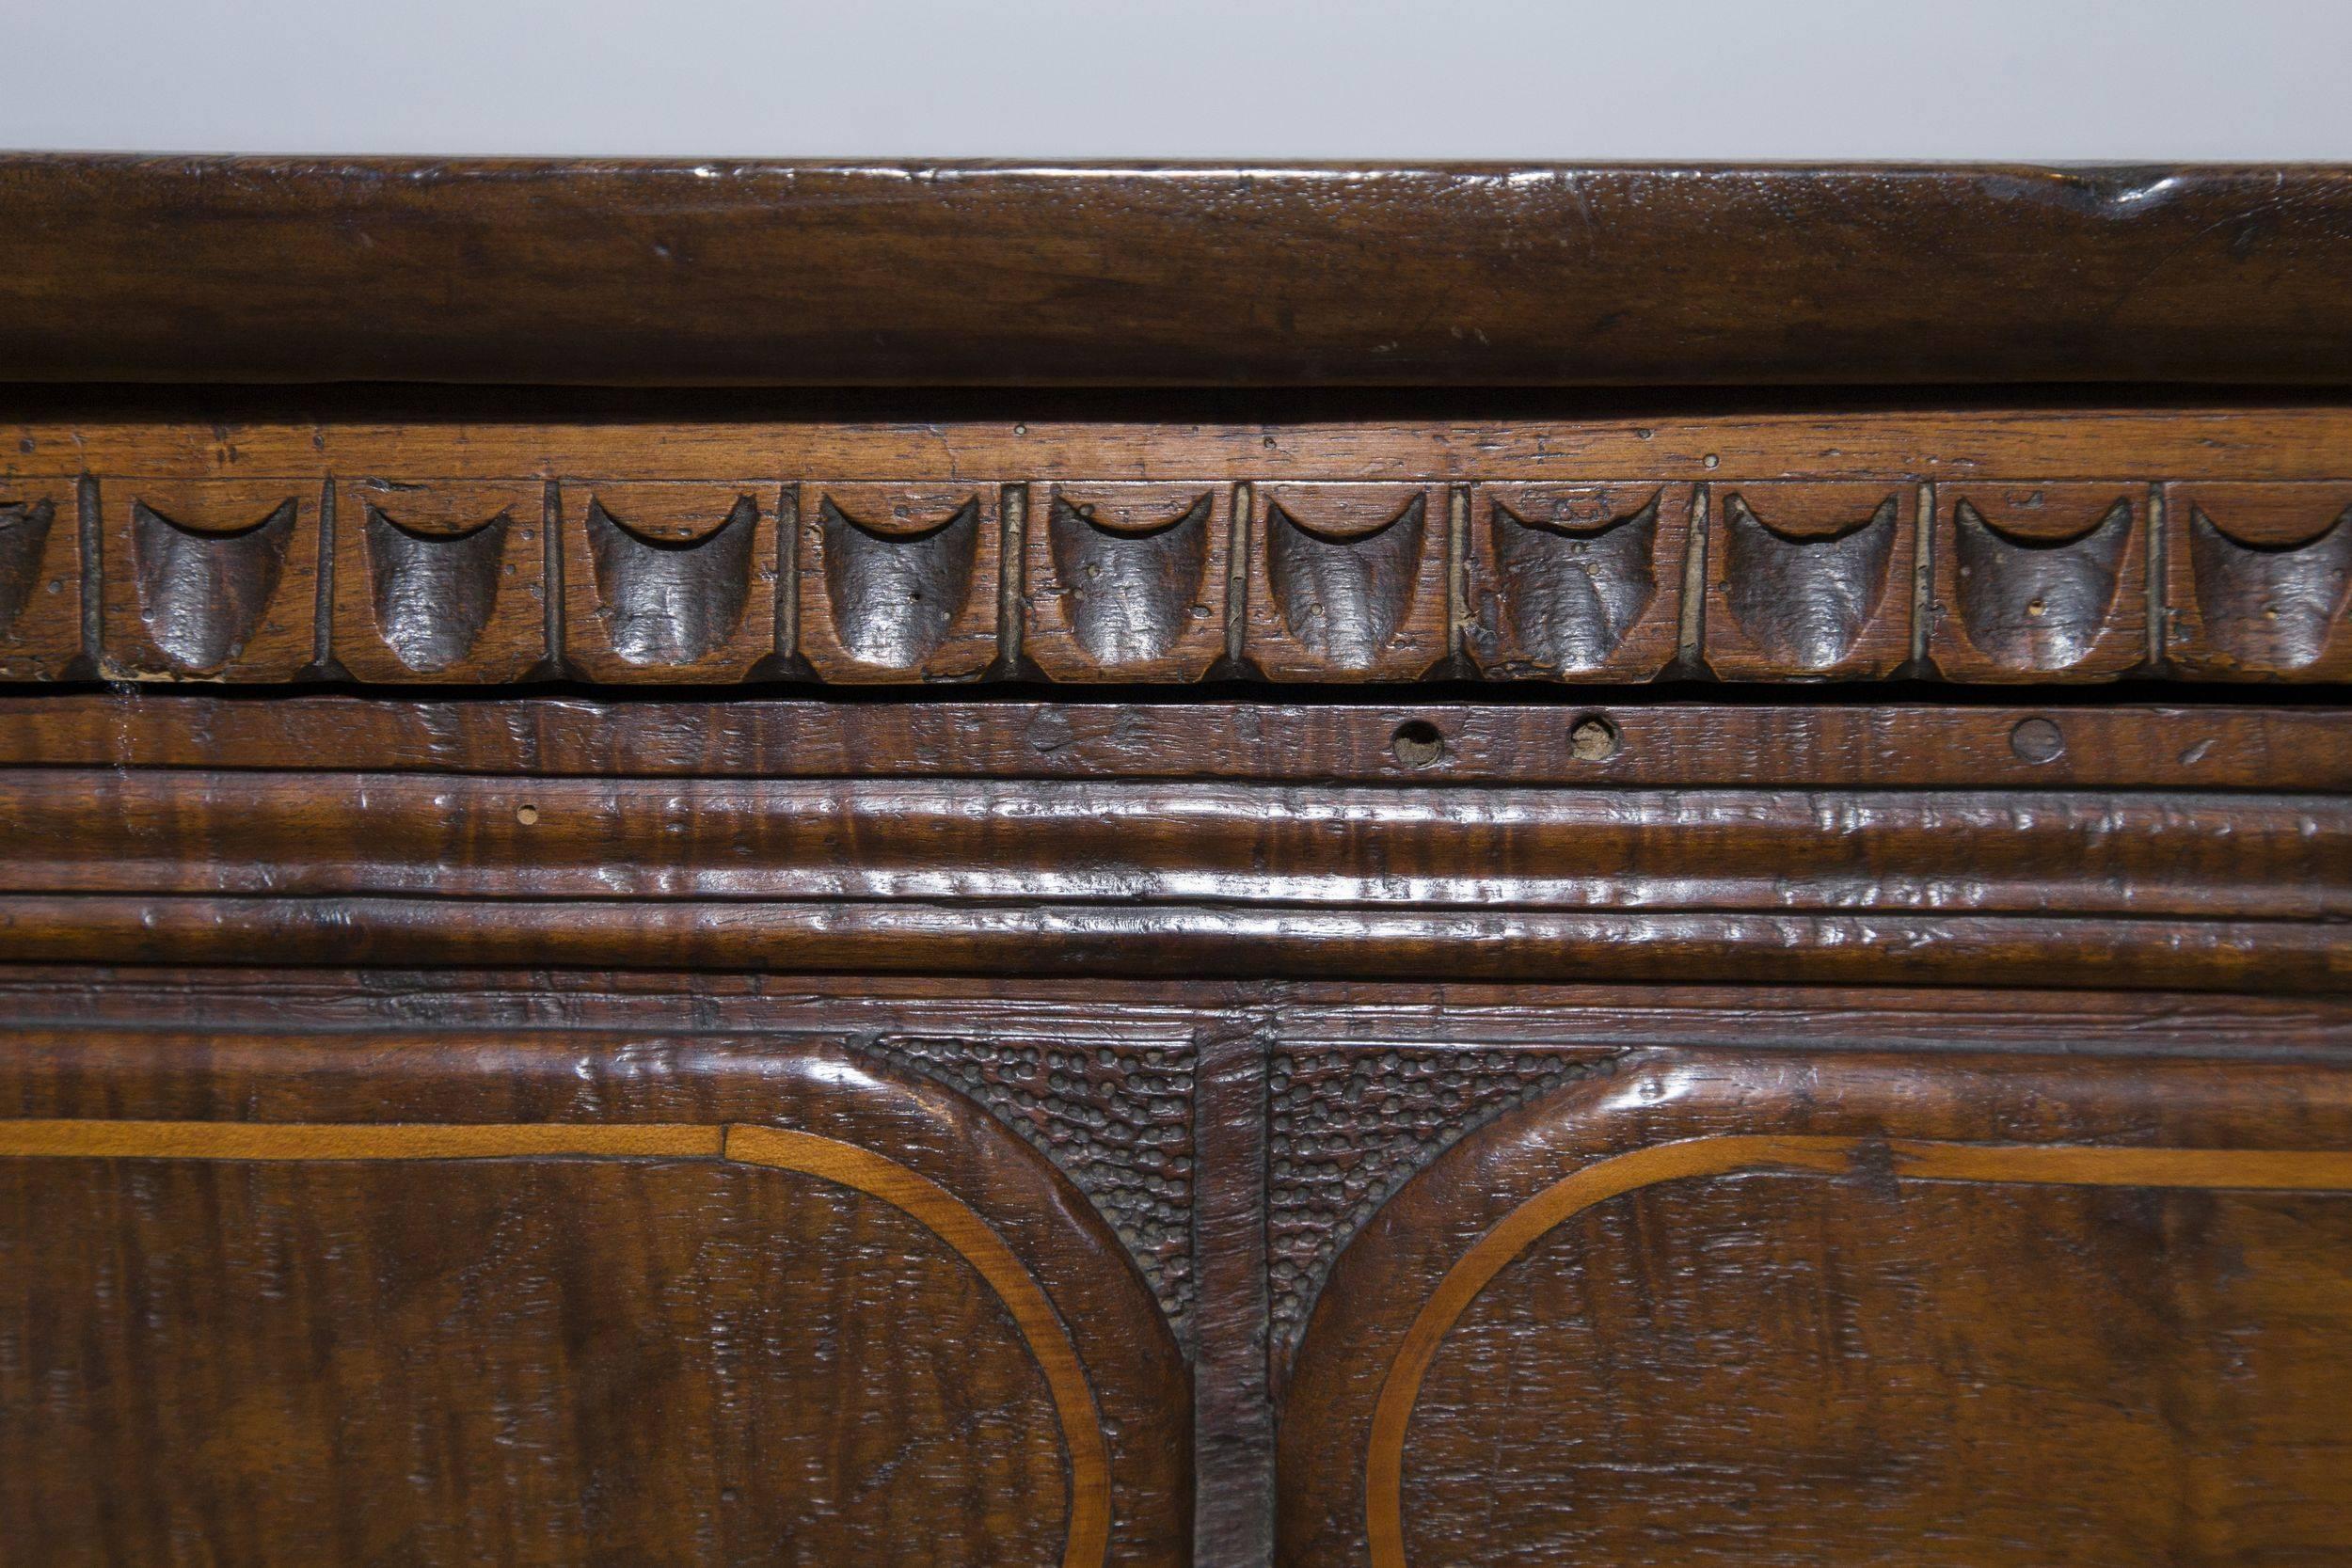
{"x":843,"y":554}
{"x":827,"y":273}
{"x":196,"y":830}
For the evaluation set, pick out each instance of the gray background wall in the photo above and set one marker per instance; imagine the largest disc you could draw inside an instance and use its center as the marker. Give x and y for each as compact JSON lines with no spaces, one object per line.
{"x":1999,"y":79}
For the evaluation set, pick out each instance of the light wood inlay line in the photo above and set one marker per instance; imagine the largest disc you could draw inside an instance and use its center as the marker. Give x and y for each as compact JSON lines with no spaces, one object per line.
{"x":2298,"y":1170}
{"x":1088,"y":1536}
{"x":321,"y":1141}
{"x":948,"y":1218}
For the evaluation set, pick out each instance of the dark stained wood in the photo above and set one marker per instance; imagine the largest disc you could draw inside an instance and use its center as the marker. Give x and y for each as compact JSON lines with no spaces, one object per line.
{"x":937,"y":274}
{"x":635,"y":1333}
{"x":848,"y":553}
{"x":1036,"y":880}
{"x":1780,"y":1309}
{"x":2178,"y":746}
{"x":1952,"y":546}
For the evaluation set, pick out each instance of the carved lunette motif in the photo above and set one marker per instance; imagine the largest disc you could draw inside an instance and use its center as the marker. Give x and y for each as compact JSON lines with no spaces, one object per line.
{"x":1805,"y":596}
{"x":895,"y":592}
{"x":23,"y":539}
{"x":1130,"y":582}
{"x":2038,"y":581}
{"x":672,"y":600}
{"x":1173,"y":581}
{"x":201,"y":592}
{"x":2262,"y":576}
{"x":433,"y":593}
{"x":1576,"y":581}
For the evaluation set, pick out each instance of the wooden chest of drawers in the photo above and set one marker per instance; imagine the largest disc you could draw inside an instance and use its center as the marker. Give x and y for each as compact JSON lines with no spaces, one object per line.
{"x":771,"y":865}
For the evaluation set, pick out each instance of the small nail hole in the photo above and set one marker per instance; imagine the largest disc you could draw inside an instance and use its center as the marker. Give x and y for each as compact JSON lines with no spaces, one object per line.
{"x":526,"y":814}
{"x":1593,"y":739}
{"x":1417,"y":743}
{"x":2037,"y":741}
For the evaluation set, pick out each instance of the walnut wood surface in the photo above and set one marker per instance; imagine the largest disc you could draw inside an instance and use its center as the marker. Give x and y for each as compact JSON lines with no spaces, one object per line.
{"x":764,"y":1341}
{"x":1961,"y":545}
{"x":933,"y":274}
{"x":1487,"y":1375}
{"x":592,"y":1076}
{"x":999,"y":966}
{"x":122,"y":860}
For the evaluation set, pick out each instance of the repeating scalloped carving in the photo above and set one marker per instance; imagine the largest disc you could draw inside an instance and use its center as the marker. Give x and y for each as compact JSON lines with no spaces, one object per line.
{"x":672,"y":601}
{"x":1572,"y":594}
{"x":2273,"y":606}
{"x":1807,"y":598}
{"x":1129,"y":586}
{"x":203,"y":593}
{"x":433,"y":593}
{"x":24,"y":539}
{"x":2038,"y":603}
{"x":896,"y":595}
{"x":1344,"y":594}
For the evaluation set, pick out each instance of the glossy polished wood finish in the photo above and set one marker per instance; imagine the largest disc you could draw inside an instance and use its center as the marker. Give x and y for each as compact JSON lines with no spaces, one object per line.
{"x":1502,"y":937}
{"x":2059,"y":886}
{"x":1110,"y":1440}
{"x":1805,"y":1401}
{"x":817,"y":274}
{"x":1966,"y":545}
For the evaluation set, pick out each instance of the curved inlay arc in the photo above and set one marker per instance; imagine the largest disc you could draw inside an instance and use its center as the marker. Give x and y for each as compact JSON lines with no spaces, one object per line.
{"x":845,"y":1164}
{"x":1917,"y":1160}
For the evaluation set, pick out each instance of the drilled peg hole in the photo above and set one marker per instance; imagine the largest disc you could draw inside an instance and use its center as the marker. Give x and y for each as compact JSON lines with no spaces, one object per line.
{"x":1593,"y":739}
{"x":526,"y":814}
{"x":2037,"y":741}
{"x":1417,"y":743}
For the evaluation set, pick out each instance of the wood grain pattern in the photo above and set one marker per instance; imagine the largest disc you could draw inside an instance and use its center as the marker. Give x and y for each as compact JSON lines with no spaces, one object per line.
{"x":2032,"y":581}
{"x":41,"y":577}
{"x":319,"y":868}
{"x":1111,"y":1501}
{"x":1892,"y":1135}
{"x":1364,"y":550}
{"x":2180,"y":746}
{"x":1467,"y":274}
{"x":992,"y":960}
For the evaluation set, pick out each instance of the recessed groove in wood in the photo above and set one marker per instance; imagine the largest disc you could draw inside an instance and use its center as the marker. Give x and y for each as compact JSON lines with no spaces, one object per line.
{"x":1668,"y":745}
{"x":1045,"y":841}
{"x":670,"y":600}
{"x":433,"y":595}
{"x":2259,"y":576}
{"x":1804,"y":585}
{"x":203,"y":591}
{"x":1328,"y":576}
{"x":1132,"y":571}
